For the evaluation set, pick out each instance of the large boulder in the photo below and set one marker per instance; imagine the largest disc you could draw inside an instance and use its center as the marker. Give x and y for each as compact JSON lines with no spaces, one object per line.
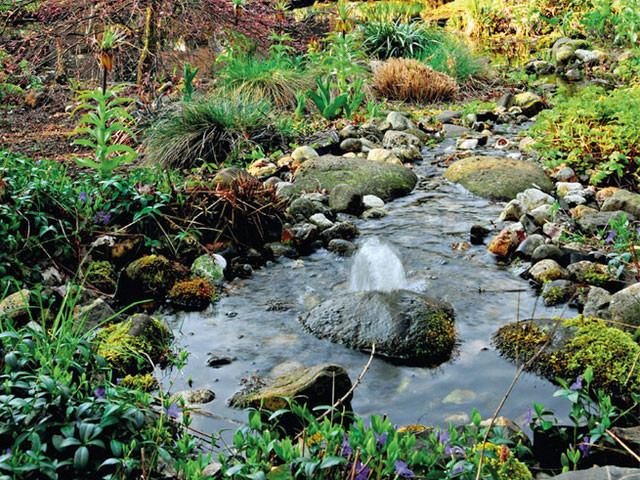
{"x":623,"y":200}
{"x":608,"y":472}
{"x":497,"y":178}
{"x":370,"y":178}
{"x":404,"y":325}
{"x":625,"y":305}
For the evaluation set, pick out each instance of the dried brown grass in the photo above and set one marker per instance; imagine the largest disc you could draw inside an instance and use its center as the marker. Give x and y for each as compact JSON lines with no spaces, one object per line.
{"x":406,"y":79}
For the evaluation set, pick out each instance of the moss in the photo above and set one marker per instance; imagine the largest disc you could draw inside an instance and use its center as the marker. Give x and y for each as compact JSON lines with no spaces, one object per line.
{"x":144,"y":383}
{"x":553,"y":295}
{"x":153,"y":274}
{"x":521,"y":340}
{"x":440,"y":337}
{"x":500,"y":459}
{"x":102,"y":275}
{"x":595,"y":277}
{"x":127,"y":353}
{"x":194,"y":294}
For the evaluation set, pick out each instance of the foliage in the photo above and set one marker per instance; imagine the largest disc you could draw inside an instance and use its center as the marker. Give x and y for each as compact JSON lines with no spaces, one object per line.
{"x":594,"y":132}
{"x":405,"y":79}
{"x":357,"y":450}
{"x":61,"y":417}
{"x":387,"y":11}
{"x":104,"y":126}
{"x":331,"y":107}
{"x":209,"y":130}
{"x":188,"y":75}
{"x":275,"y":76}
{"x":623,"y":237}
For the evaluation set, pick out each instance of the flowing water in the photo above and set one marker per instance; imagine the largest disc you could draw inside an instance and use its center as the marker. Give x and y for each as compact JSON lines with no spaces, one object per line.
{"x":423,"y":238}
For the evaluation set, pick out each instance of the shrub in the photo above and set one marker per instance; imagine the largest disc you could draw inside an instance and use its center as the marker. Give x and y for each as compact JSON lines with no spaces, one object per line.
{"x":405,"y":79}
{"x":594,"y":132}
{"x":211,"y":129}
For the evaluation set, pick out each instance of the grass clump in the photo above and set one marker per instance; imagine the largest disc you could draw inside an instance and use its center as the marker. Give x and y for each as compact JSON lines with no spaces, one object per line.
{"x":594,"y":132}
{"x":212,"y":129}
{"x":405,"y":79}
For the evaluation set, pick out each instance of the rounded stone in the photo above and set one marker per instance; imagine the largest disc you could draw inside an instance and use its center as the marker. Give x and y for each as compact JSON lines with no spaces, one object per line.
{"x":548,"y":270}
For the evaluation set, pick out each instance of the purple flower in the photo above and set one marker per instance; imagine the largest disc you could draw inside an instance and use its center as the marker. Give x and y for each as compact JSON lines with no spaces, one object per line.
{"x":362,"y":471}
{"x":459,"y":469}
{"x":381,"y":439}
{"x":102,"y":217}
{"x":346,"y":448}
{"x":453,"y":450}
{"x":528,"y":419}
{"x":7,"y":451}
{"x":612,"y":235}
{"x":442,"y":437}
{"x":577,"y":385}
{"x":100,"y":393}
{"x":173,"y":411}
{"x":585,"y":446}
{"x":402,"y":469}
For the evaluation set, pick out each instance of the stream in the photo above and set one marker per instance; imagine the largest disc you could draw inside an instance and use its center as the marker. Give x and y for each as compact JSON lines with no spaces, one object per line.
{"x":256,"y":322}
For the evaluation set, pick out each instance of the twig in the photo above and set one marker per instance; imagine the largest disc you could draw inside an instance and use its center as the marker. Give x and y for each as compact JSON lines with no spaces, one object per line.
{"x":633,"y":367}
{"x":622,"y":444}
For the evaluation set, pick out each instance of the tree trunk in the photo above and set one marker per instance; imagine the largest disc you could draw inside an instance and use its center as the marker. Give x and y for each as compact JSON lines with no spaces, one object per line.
{"x":149,"y":43}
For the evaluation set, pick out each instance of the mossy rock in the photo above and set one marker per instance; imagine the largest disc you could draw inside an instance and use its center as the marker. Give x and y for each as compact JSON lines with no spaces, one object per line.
{"x":404,"y":325}
{"x":576,"y":344}
{"x":128,"y":346}
{"x":209,"y":267}
{"x":149,"y":278}
{"x":102,"y":275}
{"x":370,"y":178}
{"x":16,"y":307}
{"x":142,"y":382}
{"x":317,"y":385}
{"x":192,"y":294}
{"x":500,"y":459}
{"x":497,"y":178}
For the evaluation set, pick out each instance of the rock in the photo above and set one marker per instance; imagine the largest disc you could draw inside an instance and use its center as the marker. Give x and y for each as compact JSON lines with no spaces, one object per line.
{"x":573,"y":75}
{"x":209,"y":267}
{"x":586,"y":56}
{"x":504,"y":244}
{"x":623,"y":200}
{"x":589,"y":273}
{"x":581,"y":211}
{"x":565,"y":188}
{"x":467,"y":143}
{"x":342,"y":230}
{"x":94,"y":314}
{"x":449,"y":130}
{"x":193,"y":397}
{"x":301,"y":208}
{"x":384,"y":156}
{"x":399,"y":121}
{"x":371,"y":201}
{"x":447,"y":116}
{"x":404,"y":325}
{"x":529,"y":245}
{"x":367,"y":146}
{"x":217,"y":361}
{"x":282,"y":250}
{"x":351,"y":145}
{"x":16,"y":307}
{"x":563,"y":53}
{"x":533,"y":198}
{"x":593,"y":222}
{"x":631,"y":437}
{"x":542,"y":214}
{"x":341,"y":247}
{"x":395,"y":139}
{"x":148,"y":278}
{"x":321,"y":142}
{"x":302,"y":154}
{"x":212,"y":469}
{"x":543,"y":68}
{"x":192,"y":294}
{"x":558,"y":291}
{"x":477,"y":234}
{"x":571,"y":201}
{"x":548,"y":270}
{"x":301,"y":236}
{"x":370,"y":178}
{"x":505,"y":101}
{"x":544,"y":252}
{"x":601,"y":473}
{"x":497,"y":177}
{"x":314,"y":386}
{"x":227,"y":177}
{"x":262,"y":168}
{"x":530,"y":103}
{"x":597,"y":303}
{"x":625,"y":305}
{"x":102,"y":275}
{"x":375,"y":212}
{"x":345,"y":198}
{"x":321,"y":221}
{"x":513,"y":211}
{"x":349,"y":131}
{"x":565,"y":174}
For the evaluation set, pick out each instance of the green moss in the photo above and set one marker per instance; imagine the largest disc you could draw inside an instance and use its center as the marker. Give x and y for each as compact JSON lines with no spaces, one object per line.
{"x":144,"y":383}
{"x":521,"y":340}
{"x":127,"y":353}
{"x":102,"y":275}
{"x":595,"y":277}
{"x":154,"y":274}
{"x":500,"y":459}
{"x":553,"y":295}
{"x":440,"y":336}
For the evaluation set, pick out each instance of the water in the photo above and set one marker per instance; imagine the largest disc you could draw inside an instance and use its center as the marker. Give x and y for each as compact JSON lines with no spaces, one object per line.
{"x":425,"y":235}
{"x":376,"y":266}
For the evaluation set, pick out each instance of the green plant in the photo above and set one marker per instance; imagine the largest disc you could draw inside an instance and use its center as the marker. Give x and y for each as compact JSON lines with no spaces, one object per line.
{"x":212,"y":129}
{"x":188,"y":74}
{"x":596,"y":132}
{"x":331,"y":107}
{"x":623,"y":237}
{"x":104,"y":125}
{"x":301,"y":103}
